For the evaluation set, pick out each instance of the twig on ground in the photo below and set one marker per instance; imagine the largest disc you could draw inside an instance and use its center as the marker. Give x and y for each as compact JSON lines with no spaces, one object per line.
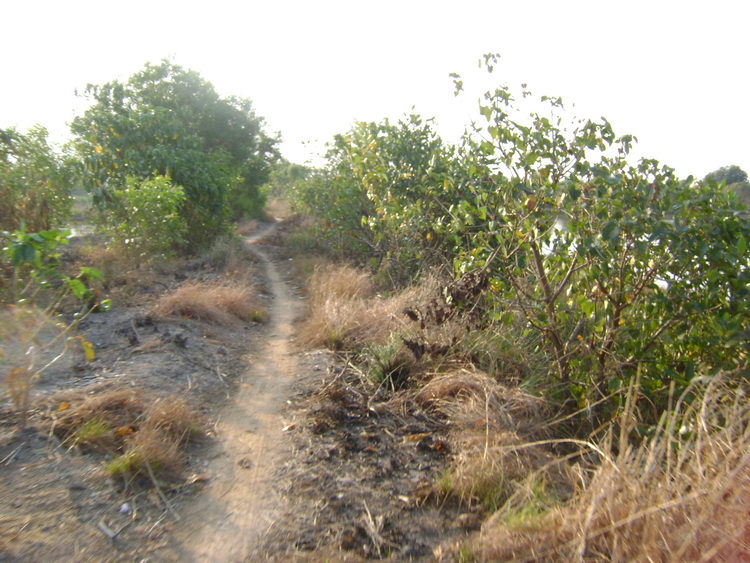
{"x":135,"y":331}
{"x":220,"y":376}
{"x":8,"y":458}
{"x":162,"y":496}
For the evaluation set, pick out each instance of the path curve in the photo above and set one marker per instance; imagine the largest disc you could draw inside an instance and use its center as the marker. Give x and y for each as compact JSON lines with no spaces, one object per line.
{"x":239,"y":503}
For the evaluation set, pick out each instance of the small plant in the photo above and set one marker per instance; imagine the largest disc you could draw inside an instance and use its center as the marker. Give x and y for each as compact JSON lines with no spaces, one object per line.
{"x":391,"y":364}
{"x":93,"y":434}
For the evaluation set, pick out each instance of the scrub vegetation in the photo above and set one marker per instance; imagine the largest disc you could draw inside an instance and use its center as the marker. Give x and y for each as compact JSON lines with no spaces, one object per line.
{"x":575,"y":321}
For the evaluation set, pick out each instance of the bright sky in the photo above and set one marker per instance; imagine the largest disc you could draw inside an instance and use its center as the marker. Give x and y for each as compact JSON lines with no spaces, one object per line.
{"x":673,"y":73}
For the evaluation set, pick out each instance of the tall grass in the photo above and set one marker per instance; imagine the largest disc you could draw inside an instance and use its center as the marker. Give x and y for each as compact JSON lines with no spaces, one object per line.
{"x":345,"y":313}
{"x":681,"y":495}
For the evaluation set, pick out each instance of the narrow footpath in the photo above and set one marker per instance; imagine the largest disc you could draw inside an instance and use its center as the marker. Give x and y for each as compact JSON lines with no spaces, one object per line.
{"x":238,"y":505}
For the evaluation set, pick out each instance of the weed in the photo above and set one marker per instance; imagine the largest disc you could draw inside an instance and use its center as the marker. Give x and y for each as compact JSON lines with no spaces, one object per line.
{"x":94,"y":434}
{"x":390,"y":364}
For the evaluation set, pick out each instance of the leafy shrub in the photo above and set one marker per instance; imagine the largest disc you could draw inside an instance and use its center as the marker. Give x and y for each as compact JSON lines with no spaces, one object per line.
{"x":35,"y":182}
{"x":621,"y":268}
{"x":144,"y":219}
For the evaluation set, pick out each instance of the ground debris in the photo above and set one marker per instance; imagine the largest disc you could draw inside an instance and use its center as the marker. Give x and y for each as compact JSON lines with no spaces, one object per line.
{"x":362,"y":482}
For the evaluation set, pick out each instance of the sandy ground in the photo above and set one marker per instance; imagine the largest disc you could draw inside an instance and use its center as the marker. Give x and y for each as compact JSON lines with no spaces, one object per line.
{"x":239,"y":502}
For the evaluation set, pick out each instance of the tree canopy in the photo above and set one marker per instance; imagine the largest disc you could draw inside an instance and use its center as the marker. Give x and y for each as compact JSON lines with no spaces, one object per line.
{"x":735,"y":179}
{"x":167,"y":120}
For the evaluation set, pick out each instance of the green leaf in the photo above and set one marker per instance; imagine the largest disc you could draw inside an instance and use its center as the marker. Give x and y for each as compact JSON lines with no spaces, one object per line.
{"x":610,"y":231}
{"x":25,"y":253}
{"x":741,"y":245}
{"x":78,"y":288}
{"x":91,"y":273}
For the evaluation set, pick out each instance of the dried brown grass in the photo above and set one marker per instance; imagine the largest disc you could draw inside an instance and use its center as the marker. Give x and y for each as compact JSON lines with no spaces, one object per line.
{"x":343,"y":312}
{"x":498,"y":435}
{"x":123,"y":276}
{"x":141,"y":435}
{"x":222,"y":304}
{"x":683,"y":495}
{"x":31,"y":341}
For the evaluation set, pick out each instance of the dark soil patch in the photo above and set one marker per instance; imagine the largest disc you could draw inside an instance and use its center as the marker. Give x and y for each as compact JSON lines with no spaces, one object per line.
{"x":361,"y":482}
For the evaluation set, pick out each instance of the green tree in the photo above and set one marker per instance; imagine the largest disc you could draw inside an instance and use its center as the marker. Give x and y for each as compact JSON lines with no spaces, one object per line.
{"x":728,"y":174}
{"x":35,"y":181}
{"x":735,"y":180}
{"x":169,"y":121}
{"x":624,"y":270}
{"x":385,"y":194}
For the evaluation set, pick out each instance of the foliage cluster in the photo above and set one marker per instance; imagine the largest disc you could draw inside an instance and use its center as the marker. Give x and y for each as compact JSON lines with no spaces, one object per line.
{"x":32,"y":335}
{"x":144,"y":219}
{"x":622,"y":270}
{"x":377,"y":197}
{"x":169,"y":121}
{"x":735,"y":180}
{"x":35,"y":182}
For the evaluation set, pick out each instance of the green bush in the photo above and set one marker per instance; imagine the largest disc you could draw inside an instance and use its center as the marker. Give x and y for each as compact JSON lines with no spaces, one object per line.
{"x":35,"y":182}
{"x":144,"y":219}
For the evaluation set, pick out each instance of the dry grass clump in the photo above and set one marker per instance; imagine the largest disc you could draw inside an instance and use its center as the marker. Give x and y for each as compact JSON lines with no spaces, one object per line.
{"x":278,"y":208}
{"x":216,"y":303}
{"x":491,"y":429}
{"x":344,"y":313}
{"x":99,"y":422}
{"x":141,"y":436}
{"x":31,"y":341}
{"x":123,"y":276}
{"x":683,"y":495}
{"x":472,"y":399}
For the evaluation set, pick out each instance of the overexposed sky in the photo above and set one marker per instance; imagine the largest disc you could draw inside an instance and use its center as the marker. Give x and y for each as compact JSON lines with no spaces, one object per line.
{"x":673,"y":73}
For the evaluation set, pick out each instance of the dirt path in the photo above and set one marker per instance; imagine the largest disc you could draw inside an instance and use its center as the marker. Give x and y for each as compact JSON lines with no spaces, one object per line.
{"x":239,"y":503}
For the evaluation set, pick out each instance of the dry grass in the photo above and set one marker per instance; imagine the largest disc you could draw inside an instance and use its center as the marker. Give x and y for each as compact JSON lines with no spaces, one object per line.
{"x":278,"y":208}
{"x":683,"y":495}
{"x":31,"y":341}
{"x":141,"y":435}
{"x":121,"y":272}
{"x":217,"y":303}
{"x":345,"y":313}
{"x":492,"y":428}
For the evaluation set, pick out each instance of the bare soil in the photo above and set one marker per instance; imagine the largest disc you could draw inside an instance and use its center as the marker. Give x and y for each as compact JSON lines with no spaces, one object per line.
{"x":302,"y":459}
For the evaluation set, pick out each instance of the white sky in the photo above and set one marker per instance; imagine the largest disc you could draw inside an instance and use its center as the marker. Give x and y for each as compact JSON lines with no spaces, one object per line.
{"x":675,"y":74}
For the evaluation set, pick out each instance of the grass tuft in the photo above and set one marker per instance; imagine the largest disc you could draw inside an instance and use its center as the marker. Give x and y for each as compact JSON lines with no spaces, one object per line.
{"x":216,"y":303}
{"x":136,"y":432}
{"x":345,"y":313}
